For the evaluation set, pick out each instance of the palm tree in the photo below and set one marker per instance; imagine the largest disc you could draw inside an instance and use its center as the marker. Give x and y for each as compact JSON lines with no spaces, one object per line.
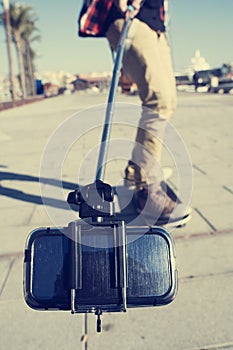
{"x":22,"y":20}
{"x":18,"y":19}
{"x":29,"y":54}
{"x":5,"y":20}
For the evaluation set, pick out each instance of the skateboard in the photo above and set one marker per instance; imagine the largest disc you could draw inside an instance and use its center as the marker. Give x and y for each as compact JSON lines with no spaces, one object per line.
{"x":126,"y":209}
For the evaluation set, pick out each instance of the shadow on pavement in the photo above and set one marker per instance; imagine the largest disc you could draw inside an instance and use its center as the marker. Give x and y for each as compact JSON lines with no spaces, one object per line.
{"x":26,"y":197}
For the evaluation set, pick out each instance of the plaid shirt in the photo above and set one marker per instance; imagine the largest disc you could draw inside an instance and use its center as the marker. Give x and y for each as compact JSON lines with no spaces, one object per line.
{"x":93,"y":16}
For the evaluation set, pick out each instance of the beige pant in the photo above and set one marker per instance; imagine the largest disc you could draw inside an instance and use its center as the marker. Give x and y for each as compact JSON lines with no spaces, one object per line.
{"x":147,"y":60}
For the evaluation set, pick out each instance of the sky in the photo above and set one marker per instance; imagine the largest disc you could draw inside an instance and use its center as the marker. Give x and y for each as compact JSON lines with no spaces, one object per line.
{"x":201,"y":24}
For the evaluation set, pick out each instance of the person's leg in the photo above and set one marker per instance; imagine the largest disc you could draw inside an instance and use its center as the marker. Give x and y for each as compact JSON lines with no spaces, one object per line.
{"x":147,"y":60}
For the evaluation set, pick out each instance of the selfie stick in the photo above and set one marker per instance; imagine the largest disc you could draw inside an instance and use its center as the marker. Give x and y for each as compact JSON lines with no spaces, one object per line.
{"x":101,"y":194}
{"x":111,"y":99}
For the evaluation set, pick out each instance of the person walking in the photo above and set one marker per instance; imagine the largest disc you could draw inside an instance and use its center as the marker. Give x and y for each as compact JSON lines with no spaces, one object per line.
{"x":147,"y":61}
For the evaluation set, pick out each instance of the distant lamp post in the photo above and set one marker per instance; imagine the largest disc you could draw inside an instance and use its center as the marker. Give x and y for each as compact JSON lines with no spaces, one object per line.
{"x":6,"y":7}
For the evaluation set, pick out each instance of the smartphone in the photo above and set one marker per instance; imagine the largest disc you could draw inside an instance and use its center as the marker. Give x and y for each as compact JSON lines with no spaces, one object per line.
{"x":149,"y":269}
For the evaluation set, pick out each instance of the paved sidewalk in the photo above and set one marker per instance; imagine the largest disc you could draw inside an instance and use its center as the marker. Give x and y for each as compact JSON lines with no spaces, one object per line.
{"x":201,"y":317}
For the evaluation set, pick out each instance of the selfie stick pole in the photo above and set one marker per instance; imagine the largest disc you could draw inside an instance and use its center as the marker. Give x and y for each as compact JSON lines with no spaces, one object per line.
{"x":101,"y":205}
{"x":111,"y":99}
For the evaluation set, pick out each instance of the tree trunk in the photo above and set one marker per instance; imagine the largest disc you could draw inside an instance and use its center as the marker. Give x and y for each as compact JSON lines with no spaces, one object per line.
{"x":30,"y":70}
{"x":27,"y":75}
{"x":18,"y":43}
{"x":9,"y":53}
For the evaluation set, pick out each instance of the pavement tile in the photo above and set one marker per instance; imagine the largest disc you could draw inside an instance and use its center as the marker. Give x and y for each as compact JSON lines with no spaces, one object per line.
{"x":14,"y":238}
{"x":28,"y":164}
{"x":219,"y":172}
{"x":196,"y":318}
{"x":228,"y":188}
{"x":205,"y":255}
{"x":4,"y":271}
{"x":25,"y":329}
{"x":13,"y":289}
{"x":211,"y":194}
{"x":40,"y":217}
{"x":219,"y":215}
{"x":195,"y":226}
{"x":4,"y":137}
{"x":14,"y":216}
{"x":8,"y":202}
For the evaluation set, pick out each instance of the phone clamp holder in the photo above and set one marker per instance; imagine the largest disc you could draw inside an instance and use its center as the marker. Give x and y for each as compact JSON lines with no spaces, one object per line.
{"x":95,"y":200}
{"x":96,"y":207}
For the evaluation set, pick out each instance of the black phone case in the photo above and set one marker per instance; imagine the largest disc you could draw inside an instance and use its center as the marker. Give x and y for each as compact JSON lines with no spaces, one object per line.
{"x":151,"y":270}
